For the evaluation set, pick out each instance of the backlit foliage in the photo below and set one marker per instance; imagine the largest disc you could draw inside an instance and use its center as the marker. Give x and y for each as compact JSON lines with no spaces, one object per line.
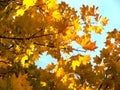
{"x":29,"y":28}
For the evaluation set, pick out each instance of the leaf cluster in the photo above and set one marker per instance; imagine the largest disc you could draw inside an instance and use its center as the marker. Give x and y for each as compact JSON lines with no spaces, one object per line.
{"x":28,"y":28}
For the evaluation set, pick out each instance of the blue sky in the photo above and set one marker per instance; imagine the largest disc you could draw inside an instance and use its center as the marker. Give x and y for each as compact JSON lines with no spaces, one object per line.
{"x":107,"y":8}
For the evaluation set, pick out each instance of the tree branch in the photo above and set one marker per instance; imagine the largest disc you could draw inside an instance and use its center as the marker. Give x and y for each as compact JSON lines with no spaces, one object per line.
{"x":79,"y":50}
{"x":15,"y":38}
{"x":36,"y":33}
{"x":5,"y":62}
{"x":26,"y":38}
{"x":100,"y":86}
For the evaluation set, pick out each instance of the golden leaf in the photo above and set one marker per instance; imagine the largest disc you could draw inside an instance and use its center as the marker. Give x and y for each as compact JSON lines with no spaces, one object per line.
{"x":64,"y":79}
{"x":20,"y":82}
{"x":24,"y":58}
{"x":32,"y":46}
{"x":88,"y":88}
{"x":17,"y":48}
{"x":60,"y":72}
{"x":75,"y":63}
{"x":43,"y":83}
{"x":29,"y":52}
{"x":89,"y":28}
{"x":104,"y":21}
{"x":56,"y":14}
{"x":84,"y":59}
{"x":20,"y":12}
{"x":52,"y":4}
{"x":71,"y":86}
{"x":76,"y":24}
{"x":29,"y":3}
{"x":98,"y":29}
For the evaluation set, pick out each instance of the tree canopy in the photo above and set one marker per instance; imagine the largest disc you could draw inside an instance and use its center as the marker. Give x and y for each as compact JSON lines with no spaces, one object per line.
{"x":29,"y":28}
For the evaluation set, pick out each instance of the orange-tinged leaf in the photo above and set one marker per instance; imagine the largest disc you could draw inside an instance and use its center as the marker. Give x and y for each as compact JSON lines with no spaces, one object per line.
{"x":50,"y":66}
{"x":79,"y":39}
{"x":90,"y":46}
{"x":85,"y":42}
{"x":89,"y":19}
{"x":93,"y":10}
{"x":85,"y":39}
{"x":97,"y":60}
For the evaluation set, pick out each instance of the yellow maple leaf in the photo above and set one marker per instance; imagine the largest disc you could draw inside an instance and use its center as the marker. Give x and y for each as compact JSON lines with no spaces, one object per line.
{"x":52,"y":4}
{"x":75,"y":63}
{"x":56,"y":14}
{"x":20,"y":12}
{"x":84,"y":59}
{"x":90,"y":28}
{"x":43,"y":83}
{"x":64,"y":79}
{"x":68,"y":32}
{"x":76,"y":24}
{"x":29,"y":52}
{"x":29,"y":3}
{"x":71,"y":86}
{"x":24,"y":58}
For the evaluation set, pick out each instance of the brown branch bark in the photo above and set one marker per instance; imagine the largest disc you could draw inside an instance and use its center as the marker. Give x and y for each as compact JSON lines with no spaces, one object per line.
{"x":26,"y":38}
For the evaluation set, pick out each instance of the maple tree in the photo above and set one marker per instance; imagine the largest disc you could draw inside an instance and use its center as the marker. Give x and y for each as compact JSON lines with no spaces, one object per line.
{"x":29,"y":28}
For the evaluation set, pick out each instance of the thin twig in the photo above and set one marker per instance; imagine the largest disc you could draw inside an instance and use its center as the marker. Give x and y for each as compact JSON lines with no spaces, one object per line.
{"x":45,"y":45}
{"x":52,"y":46}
